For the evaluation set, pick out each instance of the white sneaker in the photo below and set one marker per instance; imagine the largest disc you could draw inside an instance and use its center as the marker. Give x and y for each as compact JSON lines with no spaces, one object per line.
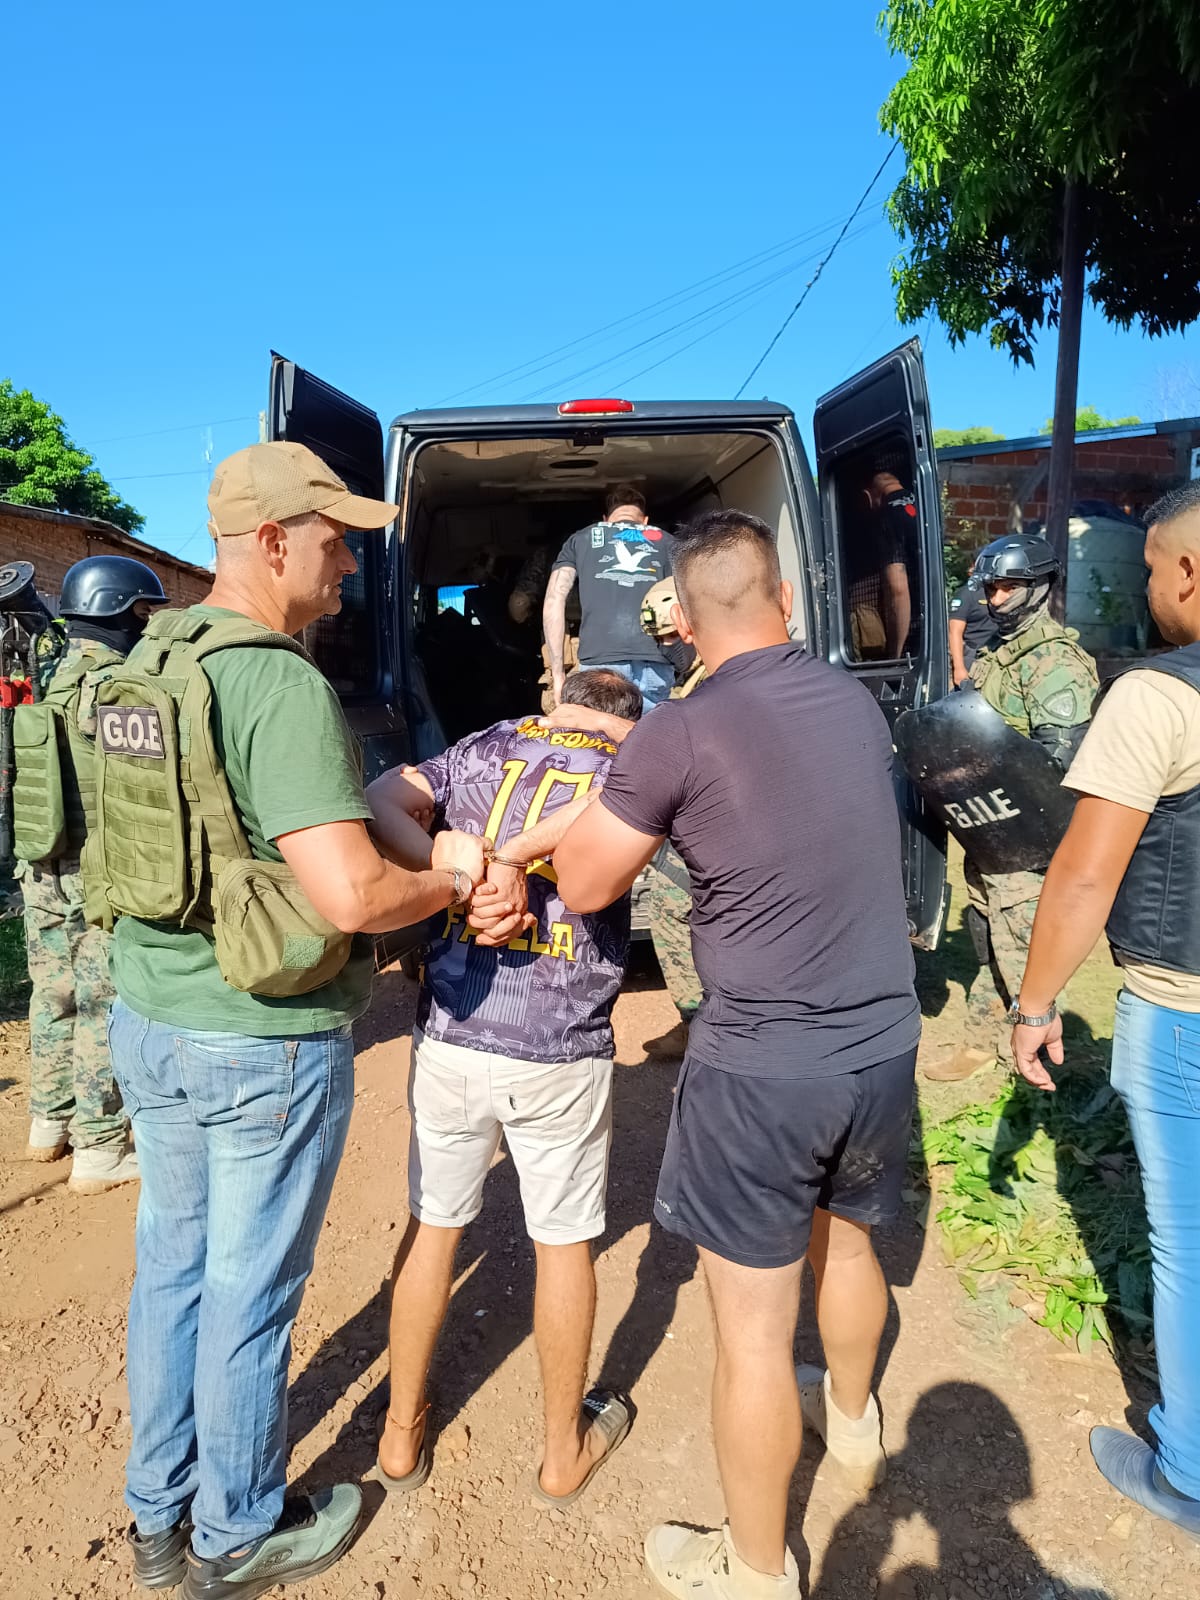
{"x":705,"y":1566}
{"x":103,"y":1167}
{"x":48,"y":1139}
{"x":856,"y":1445}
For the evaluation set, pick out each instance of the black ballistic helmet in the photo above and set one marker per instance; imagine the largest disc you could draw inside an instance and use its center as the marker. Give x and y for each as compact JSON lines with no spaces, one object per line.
{"x":1016,"y":558}
{"x":106,"y":586}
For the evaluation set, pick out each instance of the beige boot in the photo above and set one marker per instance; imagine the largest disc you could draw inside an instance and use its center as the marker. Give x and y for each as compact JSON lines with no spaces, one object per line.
{"x":964,"y":1061}
{"x":47,"y":1139}
{"x":856,"y":1446}
{"x":103,"y":1167}
{"x":669,"y":1046}
{"x":705,"y":1566}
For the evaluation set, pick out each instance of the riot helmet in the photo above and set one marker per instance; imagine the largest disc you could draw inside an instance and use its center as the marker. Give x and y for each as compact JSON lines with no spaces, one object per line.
{"x":105,"y":587}
{"x":1027,"y":560}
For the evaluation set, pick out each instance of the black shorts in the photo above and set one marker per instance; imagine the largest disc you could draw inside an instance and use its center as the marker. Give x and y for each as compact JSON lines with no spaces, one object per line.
{"x":748,"y":1159}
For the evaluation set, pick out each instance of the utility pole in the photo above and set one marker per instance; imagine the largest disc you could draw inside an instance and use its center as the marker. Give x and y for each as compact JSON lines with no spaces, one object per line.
{"x":1066,"y":387}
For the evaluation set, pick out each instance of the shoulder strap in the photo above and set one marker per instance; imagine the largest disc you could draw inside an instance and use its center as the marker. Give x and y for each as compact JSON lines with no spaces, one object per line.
{"x":1183,"y":664}
{"x":187,"y":636}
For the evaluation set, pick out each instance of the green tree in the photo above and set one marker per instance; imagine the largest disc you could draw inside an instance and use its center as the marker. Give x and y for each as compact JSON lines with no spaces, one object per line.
{"x":41,"y":466}
{"x":1046,"y":149}
{"x":1089,"y":420}
{"x":947,"y":438}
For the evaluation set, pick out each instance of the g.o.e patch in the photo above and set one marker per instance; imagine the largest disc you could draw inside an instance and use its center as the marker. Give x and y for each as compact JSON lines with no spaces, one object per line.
{"x":130,"y":731}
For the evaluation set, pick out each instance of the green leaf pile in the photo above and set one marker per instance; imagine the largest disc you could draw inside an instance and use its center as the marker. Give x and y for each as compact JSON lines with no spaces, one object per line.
{"x":1045,"y":1190}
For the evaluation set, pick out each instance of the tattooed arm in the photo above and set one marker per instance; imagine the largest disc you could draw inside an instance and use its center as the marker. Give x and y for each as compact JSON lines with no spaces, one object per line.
{"x":554,"y":623}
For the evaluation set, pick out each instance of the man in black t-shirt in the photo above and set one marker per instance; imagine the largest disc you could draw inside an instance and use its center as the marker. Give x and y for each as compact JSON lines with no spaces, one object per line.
{"x":789,"y":1134}
{"x":971,"y":627}
{"x":614,"y":562}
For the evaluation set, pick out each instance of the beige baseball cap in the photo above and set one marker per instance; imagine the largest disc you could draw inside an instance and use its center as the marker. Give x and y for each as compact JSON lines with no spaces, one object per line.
{"x":268,"y":482}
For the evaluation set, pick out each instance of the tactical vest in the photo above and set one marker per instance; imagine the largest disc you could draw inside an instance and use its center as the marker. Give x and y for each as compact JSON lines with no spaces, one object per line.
{"x":54,"y":795}
{"x":1156,"y":915}
{"x":995,"y":672}
{"x":169,"y":845}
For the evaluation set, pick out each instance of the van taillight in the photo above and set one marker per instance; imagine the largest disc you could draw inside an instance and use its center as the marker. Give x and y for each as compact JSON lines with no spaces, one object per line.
{"x":593,"y":408}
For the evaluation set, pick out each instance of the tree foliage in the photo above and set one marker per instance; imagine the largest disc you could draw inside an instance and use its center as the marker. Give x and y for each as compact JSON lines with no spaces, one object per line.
{"x":1003,"y":102}
{"x":41,"y":466}
{"x":1089,"y":420}
{"x":947,"y":438}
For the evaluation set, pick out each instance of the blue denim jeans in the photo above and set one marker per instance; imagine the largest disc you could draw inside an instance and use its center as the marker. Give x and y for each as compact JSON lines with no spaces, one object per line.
{"x":1156,"y":1072}
{"x":238,"y":1141}
{"x":655,"y":679}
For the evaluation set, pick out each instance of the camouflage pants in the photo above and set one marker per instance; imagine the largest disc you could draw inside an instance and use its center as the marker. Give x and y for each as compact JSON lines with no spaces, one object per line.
{"x":1008,"y":902}
{"x":71,"y":1076}
{"x":670,"y":909}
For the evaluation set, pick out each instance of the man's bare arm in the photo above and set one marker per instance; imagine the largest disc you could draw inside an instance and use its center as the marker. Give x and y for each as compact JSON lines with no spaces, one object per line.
{"x":351,"y":884}
{"x":565,"y":716}
{"x":599,"y":858}
{"x":899,"y":607}
{"x":554,"y":623}
{"x":402,"y":804}
{"x":958,"y":661}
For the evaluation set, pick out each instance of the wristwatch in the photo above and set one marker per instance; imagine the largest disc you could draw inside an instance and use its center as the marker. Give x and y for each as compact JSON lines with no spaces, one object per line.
{"x":463,"y":887}
{"x":1017,"y":1016}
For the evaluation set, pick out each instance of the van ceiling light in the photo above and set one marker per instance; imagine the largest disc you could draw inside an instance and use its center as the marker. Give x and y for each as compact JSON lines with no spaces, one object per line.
{"x":593,"y":408}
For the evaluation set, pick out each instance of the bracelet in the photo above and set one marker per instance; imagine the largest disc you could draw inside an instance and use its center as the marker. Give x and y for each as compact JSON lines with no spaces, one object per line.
{"x":1018,"y":1017}
{"x":505,"y":861}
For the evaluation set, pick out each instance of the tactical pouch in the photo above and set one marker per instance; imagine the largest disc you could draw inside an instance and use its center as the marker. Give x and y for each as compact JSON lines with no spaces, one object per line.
{"x":39,"y":814}
{"x":269,"y":938}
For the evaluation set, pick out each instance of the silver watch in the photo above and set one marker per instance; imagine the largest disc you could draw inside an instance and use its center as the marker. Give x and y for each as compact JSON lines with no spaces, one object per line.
{"x":1017,"y":1016}
{"x":463,"y":887}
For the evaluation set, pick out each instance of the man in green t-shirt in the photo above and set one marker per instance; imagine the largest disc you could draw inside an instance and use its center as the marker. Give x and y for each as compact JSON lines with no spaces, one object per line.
{"x":240,"y":1102}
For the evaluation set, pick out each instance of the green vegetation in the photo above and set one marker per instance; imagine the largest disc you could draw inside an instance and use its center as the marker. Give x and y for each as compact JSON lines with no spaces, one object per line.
{"x":14,"y":975}
{"x":947,"y":438}
{"x":1089,"y":420}
{"x":40,"y":466}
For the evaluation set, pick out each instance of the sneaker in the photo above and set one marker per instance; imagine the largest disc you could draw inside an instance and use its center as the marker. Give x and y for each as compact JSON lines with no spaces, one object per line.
{"x":1132,"y":1467}
{"x":705,"y":1566}
{"x":47,"y":1139}
{"x":669,"y":1046}
{"x":101,"y":1167}
{"x":160,"y":1559}
{"x":313,"y":1532}
{"x":856,"y":1445}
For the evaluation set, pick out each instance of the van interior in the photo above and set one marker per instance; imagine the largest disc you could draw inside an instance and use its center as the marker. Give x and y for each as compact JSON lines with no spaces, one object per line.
{"x":486,"y":519}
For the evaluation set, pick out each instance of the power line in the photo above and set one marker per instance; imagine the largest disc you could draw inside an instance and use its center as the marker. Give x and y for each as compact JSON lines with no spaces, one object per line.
{"x":157,"y":433}
{"x":536,"y":364}
{"x":820,"y":269}
{"x":138,"y":477}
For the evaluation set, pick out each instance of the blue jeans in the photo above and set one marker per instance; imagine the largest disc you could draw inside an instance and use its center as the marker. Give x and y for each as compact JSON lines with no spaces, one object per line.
{"x":655,"y":679}
{"x":238,"y":1141}
{"x":1156,"y":1072}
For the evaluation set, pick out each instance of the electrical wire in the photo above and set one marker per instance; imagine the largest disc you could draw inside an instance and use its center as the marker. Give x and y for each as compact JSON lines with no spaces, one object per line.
{"x":157,"y":433}
{"x":808,"y":287}
{"x":539,"y":363}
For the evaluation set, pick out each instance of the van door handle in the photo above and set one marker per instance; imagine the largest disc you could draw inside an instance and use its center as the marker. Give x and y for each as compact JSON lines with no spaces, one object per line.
{"x":891,"y":689}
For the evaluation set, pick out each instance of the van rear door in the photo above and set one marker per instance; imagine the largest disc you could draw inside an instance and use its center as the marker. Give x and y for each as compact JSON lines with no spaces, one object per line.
{"x":884,"y":589}
{"x":356,"y":650}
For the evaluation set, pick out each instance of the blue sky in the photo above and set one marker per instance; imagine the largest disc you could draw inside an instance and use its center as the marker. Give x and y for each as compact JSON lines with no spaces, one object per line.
{"x":414,"y":200}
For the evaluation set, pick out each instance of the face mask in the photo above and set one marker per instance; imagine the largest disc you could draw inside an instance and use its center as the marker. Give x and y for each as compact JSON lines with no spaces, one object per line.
{"x":680,"y":655}
{"x":1018,"y":609}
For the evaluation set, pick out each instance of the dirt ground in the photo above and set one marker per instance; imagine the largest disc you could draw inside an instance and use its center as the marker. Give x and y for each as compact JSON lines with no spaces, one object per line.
{"x":991,"y":1490}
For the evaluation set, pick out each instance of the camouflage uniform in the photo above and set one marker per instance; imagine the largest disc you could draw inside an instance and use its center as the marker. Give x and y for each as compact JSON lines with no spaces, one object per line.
{"x":1039,"y":678}
{"x":71,"y":1076}
{"x":670,"y":909}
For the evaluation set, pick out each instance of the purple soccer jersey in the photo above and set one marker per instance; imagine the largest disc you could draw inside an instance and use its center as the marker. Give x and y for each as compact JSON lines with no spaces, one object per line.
{"x":548,"y":995}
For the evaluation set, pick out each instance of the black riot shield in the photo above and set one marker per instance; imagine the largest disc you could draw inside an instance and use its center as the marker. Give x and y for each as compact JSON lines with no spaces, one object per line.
{"x":1000,"y":795}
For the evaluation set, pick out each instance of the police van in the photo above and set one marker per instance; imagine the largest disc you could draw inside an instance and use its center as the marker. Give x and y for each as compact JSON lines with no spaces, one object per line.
{"x":427,"y":646}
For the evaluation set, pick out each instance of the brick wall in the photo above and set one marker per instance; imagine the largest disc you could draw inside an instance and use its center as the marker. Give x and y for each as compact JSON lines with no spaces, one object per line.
{"x":54,"y":541}
{"x":1132,"y":471}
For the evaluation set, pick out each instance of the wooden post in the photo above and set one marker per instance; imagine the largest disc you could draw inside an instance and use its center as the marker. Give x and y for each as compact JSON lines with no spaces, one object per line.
{"x":1066,"y":387}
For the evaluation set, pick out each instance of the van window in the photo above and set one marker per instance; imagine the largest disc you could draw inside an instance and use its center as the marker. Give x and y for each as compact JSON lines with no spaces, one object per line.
{"x":878,"y":552}
{"x":346,"y":647}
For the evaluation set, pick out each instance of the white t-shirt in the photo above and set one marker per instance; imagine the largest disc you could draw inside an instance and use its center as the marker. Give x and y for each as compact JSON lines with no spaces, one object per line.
{"x":1144,"y":743}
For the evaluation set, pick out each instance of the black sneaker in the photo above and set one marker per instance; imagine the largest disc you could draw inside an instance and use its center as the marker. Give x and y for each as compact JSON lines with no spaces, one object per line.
{"x":313,"y":1532}
{"x":160,"y":1559}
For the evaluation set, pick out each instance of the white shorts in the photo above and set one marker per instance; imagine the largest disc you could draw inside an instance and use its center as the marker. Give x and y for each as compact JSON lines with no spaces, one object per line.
{"x":556,"y":1120}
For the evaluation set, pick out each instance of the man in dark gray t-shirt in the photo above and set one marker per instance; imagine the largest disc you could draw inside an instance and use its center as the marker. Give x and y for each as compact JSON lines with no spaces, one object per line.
{"x":790,"y":1127}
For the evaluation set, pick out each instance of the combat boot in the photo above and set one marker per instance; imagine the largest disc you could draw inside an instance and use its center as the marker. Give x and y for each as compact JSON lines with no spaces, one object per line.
{"x":669,"y":1046}
{"x":48,"y":1139}
{"x":103,"y":1166}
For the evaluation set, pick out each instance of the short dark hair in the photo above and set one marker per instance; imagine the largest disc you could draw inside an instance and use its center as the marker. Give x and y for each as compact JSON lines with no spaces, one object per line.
{"x":623,"y":494}
{"x":1175,"y":503}
{"x":723,"y":533}
{"x":602,"y":689}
